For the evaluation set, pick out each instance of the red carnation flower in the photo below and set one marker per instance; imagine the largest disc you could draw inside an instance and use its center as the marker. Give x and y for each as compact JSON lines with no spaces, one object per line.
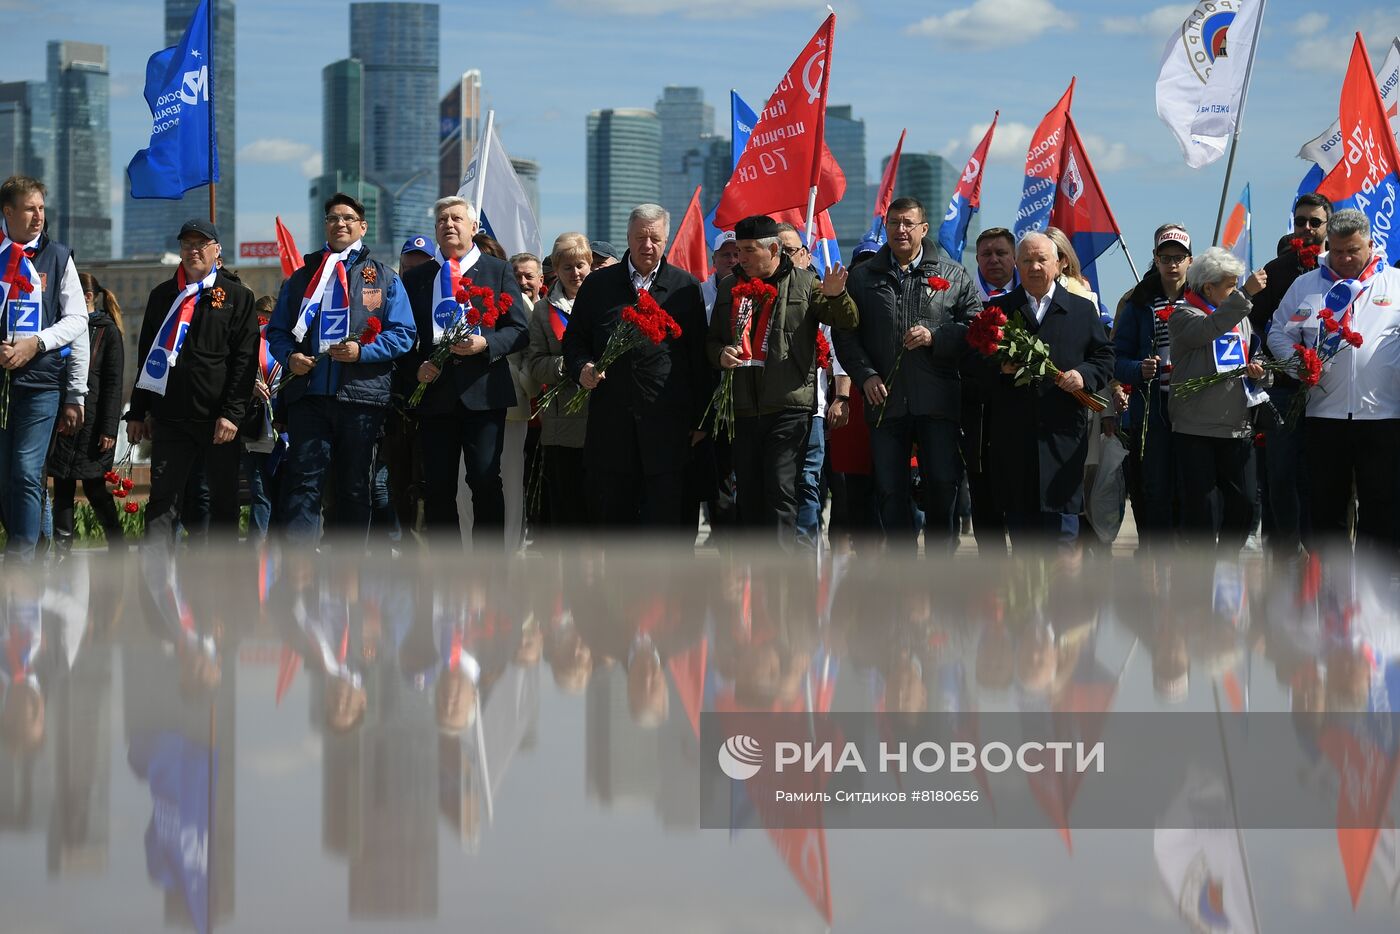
{"x":119,"y":492}
{"x":1165,"y":312}
{"x":461,"y":296}
{"x":127,"y":485}
{"x":1351,"y":337}
{"x":1331,"y":325}
{"x":1259,"y":439}
{"x":938,"y":283}
{"x":823,"y":351}
{"x":373,"y":327}
{"x":132,"y":508}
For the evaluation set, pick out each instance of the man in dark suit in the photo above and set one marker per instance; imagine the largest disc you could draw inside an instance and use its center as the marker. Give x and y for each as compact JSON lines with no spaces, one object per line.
{"x":463,"y":413}
{"x":644,"y":413}
{"x":199,"y":356}
{"x":1039,"y":434}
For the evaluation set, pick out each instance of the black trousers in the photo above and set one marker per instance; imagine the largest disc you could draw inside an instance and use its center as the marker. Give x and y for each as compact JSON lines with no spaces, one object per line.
{"x":768,"y":454}
{"x":474,"y":438}
{"x":988,"y":520}
{"x":629,"y":500}
{"x":177,"y":450}
{"x":1208,"y":465}
{"x":1341,"y":452}
{"x":105,"y":507}
{"x":566,"y":486}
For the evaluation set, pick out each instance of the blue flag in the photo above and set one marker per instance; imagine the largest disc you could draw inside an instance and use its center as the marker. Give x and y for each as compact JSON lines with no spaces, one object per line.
{"x":180,"y":91}
{"x":177,"y":837}
{"x":742,"y":119}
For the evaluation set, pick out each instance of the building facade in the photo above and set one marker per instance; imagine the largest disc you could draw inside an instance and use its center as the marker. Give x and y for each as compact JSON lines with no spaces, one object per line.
{"x":26,"y":129}
{"x":397,"y":43}
{"x":460,"y":120}
{"x":845,"y":137}
{"x":686,"y":120}
{"x":80,"y":183}
{"x":623,"y":169}
{"x":342,"y":161}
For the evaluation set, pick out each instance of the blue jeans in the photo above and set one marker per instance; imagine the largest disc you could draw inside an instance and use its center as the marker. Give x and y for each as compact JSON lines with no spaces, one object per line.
{"x":24,"y":444}
{"x":260,"y":503}
{"x":940,"y":468}
{"x":329,"y":434}
{"x":809,"y":485}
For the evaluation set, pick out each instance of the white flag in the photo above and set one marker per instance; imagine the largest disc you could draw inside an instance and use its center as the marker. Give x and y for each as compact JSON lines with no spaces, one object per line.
{"x":1200,"y":86}
{"x":505,"y":210}
{"x":1326,"y":150}
{"x":1200,"y":860}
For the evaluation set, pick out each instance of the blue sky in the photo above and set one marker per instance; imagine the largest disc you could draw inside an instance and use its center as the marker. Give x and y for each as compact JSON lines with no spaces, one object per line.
{"x":938,"y":68}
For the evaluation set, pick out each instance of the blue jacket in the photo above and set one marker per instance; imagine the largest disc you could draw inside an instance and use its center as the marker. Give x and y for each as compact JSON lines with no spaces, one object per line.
{"x":47,"y":370}
{"x":367,"y":381}
{"x":1132,"y":343}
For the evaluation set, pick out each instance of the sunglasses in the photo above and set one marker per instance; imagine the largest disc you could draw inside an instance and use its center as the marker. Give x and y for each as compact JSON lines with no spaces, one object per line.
{"x":1313,"y":222}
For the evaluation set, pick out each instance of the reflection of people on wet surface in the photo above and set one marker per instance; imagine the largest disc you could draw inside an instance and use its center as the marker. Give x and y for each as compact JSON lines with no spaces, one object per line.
{"x":22,"y":650}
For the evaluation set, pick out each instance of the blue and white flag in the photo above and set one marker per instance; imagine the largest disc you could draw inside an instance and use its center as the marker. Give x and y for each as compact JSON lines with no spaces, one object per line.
{"x":505,"y":210}
{"x":741,"y":118}
{"x":184,"y":151}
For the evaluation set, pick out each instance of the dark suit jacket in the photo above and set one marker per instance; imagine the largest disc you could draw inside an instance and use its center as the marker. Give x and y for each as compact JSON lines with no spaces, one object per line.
{"x":483,"y":381}
{"x":1039,"y":434}
{"x":641,"y":416}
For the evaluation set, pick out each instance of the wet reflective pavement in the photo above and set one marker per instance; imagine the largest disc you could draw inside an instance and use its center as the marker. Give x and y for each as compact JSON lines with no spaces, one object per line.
{"x":269,"y":741}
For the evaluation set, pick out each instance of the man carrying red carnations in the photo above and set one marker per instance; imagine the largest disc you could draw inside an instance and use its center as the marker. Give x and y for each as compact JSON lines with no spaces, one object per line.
{"x":763,"y":338}
{"x":466,"y":330}
{"x":340,"y":322}
{"x":644,"y":406}
{"x":1352,"y":429}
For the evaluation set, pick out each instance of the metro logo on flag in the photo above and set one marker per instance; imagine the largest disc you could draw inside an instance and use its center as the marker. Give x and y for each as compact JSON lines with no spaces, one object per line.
{"x":1367,"y":175}
{"x":1043,"y":167}
{"x":786,"y":155}
{"x":967,"y":197}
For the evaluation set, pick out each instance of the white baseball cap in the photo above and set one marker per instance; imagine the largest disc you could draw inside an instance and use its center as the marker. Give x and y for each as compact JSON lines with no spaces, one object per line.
{"x":721,"y":238}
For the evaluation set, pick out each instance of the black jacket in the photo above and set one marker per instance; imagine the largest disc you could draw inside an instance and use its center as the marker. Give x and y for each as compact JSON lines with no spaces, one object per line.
{"x":641,"y":416}
{"x":218,"y":362}
{"x":76,"y":457}
{"x":1038,"y":435}
{"x":928,"y":382}
{"x":481,"y":382}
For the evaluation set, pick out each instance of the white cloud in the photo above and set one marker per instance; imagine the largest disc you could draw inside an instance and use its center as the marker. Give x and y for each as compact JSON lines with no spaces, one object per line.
{"x":274,"y":151}
{"x":1323,"y":46}
{"x":696,"y":9}
{"x":1012,"y":138}
{"x":993,"y":23}
{"x":1160,"y":22}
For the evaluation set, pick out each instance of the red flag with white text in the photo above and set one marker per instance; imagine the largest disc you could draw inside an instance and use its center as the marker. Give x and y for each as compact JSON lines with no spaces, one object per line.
{"x":786,"y":154}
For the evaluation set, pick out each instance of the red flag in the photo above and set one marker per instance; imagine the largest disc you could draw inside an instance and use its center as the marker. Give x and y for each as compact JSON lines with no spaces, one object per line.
{"x":1043,"y":166}
{"x":1080,"y":208}
{"x":287,"y":249}
{"x":288,"y":664}
{"x":786,"y":154}
{"x":688,"y":673}
{"x":689,"y":250}
{"x":1367,"y":176}
{"x":886,"y":193}
{"x":1367,"y":776}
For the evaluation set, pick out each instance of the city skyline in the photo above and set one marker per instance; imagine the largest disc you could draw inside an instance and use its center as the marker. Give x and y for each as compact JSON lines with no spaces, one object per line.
{"x":900,"y":65}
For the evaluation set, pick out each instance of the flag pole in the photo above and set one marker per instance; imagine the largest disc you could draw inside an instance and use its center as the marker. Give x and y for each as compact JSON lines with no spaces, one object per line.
{"x":483,"y":152}
{"x":210,"y":19}
{"x":821,"y":130}
{"x":1239,"y":119}
{"x":811,"y":214}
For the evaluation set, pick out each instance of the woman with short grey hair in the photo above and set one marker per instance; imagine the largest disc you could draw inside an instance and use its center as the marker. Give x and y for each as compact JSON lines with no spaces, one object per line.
{"x":1213,"y":428}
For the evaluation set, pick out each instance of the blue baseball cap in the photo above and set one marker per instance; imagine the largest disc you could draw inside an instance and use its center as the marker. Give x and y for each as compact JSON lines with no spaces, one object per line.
{"x":418,"y":243}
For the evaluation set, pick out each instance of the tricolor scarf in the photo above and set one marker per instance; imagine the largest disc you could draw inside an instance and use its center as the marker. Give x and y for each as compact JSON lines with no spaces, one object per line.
{"x":268,"y":367}
{"x":558,"y":321}
{"x":992,"y":291}
{"x":330,"y":288}
{"x":1342,"y":297}
{"x":165,"y":351}
{"x":19,"y":280}
{"x":446,"y":309}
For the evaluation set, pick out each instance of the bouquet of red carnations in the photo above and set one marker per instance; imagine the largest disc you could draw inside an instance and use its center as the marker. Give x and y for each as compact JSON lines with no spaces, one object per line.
{"x":753,"y":301}
{"x":992,"y":335}
{"x":478,"y":307}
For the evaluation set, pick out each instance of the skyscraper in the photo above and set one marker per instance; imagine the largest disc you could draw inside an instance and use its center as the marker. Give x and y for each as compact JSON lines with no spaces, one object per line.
{"x":398,"y":45}
{"x":528,"y":171}
{"x":460,"y":119}
{"x":342,"y":160}
{"x":932,"y":179}
{"x":26,"y":129}
{"x":624,"y":157}
{"x":685,"y":119}
{"x":80,"y":183}
{"x":149,"y":225}
{"x":845,"y":137}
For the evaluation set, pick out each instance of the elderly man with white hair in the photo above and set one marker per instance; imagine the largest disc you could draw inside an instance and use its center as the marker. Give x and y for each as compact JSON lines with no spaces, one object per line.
{"x":1352,"y":432}
{"x":645,"y":410}
{"x":463,"y":413}
{"x":1214,"y":429}
{"x":1038,"y":435}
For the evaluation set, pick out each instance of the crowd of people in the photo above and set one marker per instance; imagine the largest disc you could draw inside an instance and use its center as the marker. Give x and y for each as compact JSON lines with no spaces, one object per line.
{"x":456,"y":389}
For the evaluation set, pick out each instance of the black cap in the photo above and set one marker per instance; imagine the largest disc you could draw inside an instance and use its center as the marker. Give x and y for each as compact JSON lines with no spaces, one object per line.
{"x":605,"y":249}
{"x":756,"y":227}
{"x":203,"y":228}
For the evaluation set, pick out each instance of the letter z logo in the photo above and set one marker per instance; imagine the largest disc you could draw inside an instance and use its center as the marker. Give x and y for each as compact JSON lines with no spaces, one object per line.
{"x":24,"y":317}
